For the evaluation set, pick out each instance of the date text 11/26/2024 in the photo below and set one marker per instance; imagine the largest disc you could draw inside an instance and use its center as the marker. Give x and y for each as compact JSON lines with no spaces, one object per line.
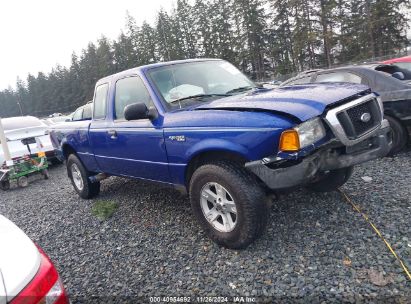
{"x":236,"y":299}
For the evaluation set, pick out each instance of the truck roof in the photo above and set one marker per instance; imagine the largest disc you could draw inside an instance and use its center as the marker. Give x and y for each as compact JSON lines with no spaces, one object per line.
{"x":153,"y":65}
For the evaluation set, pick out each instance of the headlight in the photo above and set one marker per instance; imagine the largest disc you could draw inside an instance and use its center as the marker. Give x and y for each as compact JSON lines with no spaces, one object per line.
{"x":302,"y":135}
{"x":310,"y":131}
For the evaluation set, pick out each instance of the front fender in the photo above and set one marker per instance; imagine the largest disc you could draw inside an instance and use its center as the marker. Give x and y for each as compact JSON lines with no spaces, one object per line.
{"x":250,"y":143}
{"x":244,"y":144}
{"x":216,"y":144}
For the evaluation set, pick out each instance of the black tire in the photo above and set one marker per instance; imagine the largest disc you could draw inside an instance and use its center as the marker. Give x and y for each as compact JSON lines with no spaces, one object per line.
{"x":5,"y":185}
{"x":399,"y":135}
{"x":89,"y":189}
{"x":331,"y":180}
{"x":249,"y":197}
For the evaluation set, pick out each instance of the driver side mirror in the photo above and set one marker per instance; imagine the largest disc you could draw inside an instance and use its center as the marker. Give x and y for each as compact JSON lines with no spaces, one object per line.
{"x":139,"y":110}
{"x":398,"y":75}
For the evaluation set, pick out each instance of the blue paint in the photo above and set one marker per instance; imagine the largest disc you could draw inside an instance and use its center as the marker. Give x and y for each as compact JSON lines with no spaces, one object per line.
{"x":302,"y":101}
{"x":248,"y":125}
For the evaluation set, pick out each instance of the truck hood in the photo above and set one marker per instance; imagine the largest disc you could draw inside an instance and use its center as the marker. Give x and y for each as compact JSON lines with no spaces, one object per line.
{"x":300,"y":101}
{"x":19,"y":259}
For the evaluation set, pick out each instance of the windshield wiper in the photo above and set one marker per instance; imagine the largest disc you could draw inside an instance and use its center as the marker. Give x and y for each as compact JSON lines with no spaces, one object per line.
{"x":198,"y":96}
{"x":240,"y":89}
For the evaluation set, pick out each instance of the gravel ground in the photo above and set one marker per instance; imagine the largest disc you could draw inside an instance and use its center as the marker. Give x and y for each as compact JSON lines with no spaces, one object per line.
{"x":317,"y":248}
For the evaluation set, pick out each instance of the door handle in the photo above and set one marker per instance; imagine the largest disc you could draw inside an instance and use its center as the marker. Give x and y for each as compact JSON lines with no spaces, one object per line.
{"x":112,"y":133}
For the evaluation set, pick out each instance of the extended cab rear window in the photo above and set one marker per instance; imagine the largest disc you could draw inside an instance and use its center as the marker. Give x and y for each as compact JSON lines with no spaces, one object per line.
{"x":100,"y":101}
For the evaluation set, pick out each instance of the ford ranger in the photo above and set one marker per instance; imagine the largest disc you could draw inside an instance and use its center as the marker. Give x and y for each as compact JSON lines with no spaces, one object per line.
{"x":202,"y":126}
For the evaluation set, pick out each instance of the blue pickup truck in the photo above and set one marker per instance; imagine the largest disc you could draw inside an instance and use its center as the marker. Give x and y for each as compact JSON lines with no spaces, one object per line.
{"x":205,"y":128}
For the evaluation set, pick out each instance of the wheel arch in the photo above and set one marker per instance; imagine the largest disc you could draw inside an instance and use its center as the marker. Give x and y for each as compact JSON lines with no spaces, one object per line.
{"x":67,"y":150}
{"x":212,"y":155}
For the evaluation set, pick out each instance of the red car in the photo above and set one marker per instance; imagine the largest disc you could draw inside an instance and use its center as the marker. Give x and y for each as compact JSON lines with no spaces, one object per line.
{"x":27,"y":276}
{"x":402,"y":62}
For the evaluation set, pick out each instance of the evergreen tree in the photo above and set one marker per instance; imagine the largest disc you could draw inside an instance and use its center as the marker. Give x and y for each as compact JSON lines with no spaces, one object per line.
{"x":280,"y":39}
{"x":252,"y":36}
{"x":203,"y":21}
{"x":105,"y":58}
{"x":124,"y":53}
{"x":146,"y":44}
{"x":164,"y":37}
{"x":221,"y":42}
{"x":185,"y":22}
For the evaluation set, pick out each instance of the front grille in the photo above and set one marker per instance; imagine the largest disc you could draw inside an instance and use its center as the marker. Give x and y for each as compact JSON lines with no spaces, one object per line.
{"x":353,"y":125}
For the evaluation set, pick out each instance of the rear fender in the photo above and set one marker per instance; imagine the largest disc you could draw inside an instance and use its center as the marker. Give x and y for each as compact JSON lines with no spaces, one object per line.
{"x":87,"y":159}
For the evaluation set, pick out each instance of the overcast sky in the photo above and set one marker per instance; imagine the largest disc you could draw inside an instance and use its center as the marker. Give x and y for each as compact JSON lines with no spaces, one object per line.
{"x":37,"y":34}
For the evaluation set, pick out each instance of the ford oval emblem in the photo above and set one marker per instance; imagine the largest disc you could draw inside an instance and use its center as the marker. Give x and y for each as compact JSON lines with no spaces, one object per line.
{"x":365,"y":117}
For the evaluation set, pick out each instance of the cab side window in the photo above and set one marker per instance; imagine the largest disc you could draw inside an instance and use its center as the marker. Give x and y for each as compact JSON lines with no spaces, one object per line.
{"x":100,"y":101}
{"x":338,"y":77}
{"x":128,"y":91}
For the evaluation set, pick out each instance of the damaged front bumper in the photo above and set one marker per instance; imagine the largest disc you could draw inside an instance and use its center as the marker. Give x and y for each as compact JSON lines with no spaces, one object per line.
{"x":279,"y":173}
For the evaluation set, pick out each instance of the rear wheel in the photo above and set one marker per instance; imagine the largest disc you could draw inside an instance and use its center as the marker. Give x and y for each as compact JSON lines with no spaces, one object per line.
{"x":399,"y":135}
{"x":331,"y":180}
{"x":229,"y":204}
{"x":80,"y":178}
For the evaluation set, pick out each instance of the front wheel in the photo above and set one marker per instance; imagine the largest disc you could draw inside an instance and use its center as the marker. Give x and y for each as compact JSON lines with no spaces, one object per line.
{"x":331,"y":180}
{"x":229,"y":204}
{"x":80,"y":178}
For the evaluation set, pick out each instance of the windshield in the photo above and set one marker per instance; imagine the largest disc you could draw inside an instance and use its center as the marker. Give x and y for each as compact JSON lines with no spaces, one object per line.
{"x":186,"y":84}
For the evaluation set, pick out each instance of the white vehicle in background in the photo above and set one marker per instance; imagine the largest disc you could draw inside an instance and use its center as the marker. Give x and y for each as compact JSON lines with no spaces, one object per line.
{"x":21,"y":135}
{"x":55,"y":115}
{"x":26,"y":273}
{"x":81,"y":113}
{"x":273,"y":84}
